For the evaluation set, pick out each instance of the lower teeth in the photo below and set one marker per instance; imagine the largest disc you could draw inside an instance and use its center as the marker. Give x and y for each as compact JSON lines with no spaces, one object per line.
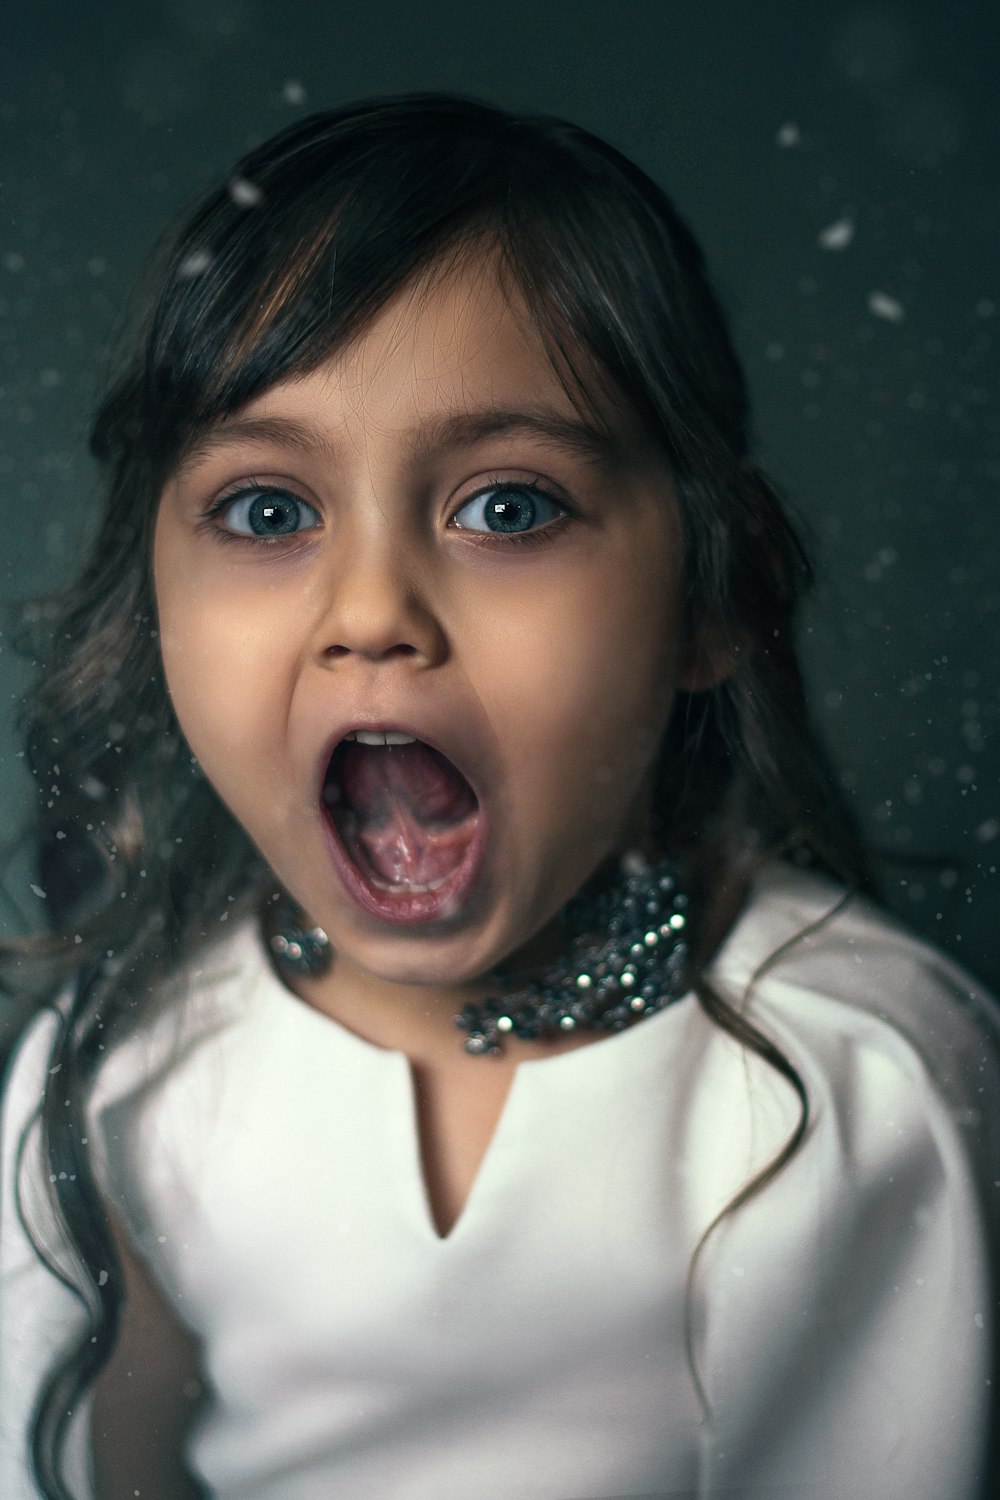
{"x":405,"y":888}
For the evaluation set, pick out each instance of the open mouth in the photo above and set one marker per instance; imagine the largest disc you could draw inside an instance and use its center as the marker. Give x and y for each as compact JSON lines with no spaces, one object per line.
{"x":406,"y":819}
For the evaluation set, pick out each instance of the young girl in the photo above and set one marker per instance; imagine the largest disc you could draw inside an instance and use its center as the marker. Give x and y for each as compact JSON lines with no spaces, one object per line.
{"x":465,"y":1064}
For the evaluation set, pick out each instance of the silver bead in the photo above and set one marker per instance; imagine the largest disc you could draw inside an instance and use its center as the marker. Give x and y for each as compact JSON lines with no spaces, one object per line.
{"x":625,"y":962}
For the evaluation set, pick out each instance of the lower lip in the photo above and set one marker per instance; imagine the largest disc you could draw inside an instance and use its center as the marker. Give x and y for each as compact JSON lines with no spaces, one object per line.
{"x":409,"y":908}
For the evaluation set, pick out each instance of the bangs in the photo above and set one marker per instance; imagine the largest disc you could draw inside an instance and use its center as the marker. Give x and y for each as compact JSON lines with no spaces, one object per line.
{"x":298,"y":253}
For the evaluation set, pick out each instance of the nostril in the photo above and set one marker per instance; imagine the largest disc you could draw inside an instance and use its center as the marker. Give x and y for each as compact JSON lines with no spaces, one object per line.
{"x":335,"y":651}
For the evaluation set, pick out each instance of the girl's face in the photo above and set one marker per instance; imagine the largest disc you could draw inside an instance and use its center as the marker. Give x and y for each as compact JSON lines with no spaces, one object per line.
{"x":329,"y":559}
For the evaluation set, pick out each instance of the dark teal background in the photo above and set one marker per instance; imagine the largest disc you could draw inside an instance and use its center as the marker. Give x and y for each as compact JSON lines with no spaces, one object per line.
{"x":874,"y":365}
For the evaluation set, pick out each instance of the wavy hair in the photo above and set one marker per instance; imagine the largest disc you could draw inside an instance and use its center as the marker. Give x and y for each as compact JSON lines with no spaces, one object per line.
{"x":292,"y":255}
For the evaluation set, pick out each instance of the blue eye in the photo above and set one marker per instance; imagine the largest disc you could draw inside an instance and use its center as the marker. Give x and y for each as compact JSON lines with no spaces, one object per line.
{"x":263,"y":513}
{"x":507,"y":509}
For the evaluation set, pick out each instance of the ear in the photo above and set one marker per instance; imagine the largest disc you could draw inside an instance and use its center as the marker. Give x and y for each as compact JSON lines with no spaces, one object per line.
{"x":709,"y":657}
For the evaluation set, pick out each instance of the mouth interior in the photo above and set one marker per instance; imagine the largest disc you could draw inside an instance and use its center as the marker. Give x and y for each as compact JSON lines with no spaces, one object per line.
{"x":404,"y":813}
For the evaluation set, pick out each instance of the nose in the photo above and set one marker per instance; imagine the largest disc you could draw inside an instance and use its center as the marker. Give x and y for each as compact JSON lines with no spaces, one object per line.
{"x":379,"y":604}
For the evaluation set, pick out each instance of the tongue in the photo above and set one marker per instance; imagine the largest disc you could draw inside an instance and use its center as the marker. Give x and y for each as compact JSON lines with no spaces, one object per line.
{"x":411,"y":814}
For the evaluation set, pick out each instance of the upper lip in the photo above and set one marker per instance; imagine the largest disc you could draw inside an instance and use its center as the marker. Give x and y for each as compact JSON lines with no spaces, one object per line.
{"x":458,"y":744}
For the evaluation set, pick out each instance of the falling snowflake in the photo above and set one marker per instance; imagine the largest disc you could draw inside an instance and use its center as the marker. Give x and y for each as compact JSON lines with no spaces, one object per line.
{"x":194,"y":264}
{"x":293,"y":92}
{"x":245,"y":194}
{"x":789,"y":134}
{"x":884,"y":306}
{"x":837,"y":236}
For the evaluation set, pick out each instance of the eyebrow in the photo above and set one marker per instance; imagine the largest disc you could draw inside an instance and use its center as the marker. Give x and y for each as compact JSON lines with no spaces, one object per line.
{"x":463,"y":429}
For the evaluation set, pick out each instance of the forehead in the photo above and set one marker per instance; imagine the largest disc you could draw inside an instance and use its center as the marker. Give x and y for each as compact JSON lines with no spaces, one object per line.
{"x":458,"y":339}
{"x":441,"y":340}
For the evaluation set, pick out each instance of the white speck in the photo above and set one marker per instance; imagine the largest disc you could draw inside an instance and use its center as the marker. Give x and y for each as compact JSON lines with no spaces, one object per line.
{"x":55,"y":1070}
{"x":987,"y":832}
{"x":884,"y":306}
{"x":102,"y":1279}
{"x":245,"y":194}
{"x":293,"y":92}
{"x":93,"y":788}
{"x":633,"y":862}
{"x":194,"y":264}
{"x":39,"y":892}
{"x":789,"y":134}
{"x":837,"y":236}
{"x":162,"y":1239}
{"x":979,"y":1320}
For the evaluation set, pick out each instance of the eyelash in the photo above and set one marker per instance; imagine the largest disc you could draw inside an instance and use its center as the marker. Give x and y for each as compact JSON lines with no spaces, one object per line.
{"x":547,"y":533}
{"x":251,"y":486}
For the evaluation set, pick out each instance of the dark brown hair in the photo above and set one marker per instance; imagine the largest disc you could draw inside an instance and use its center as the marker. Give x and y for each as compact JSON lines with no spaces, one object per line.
{"x":295,"y":252}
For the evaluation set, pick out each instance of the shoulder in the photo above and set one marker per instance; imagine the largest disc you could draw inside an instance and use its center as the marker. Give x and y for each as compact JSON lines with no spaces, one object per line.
{"x":198,"y":1004}
{"x":879,"y":1232}
{"x":897,"y":1046}
{"x":827,"y":960}
{"x":38,"y":1314}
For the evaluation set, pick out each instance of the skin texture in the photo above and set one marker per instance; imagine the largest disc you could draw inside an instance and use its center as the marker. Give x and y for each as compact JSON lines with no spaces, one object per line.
{"x":554,"y":664}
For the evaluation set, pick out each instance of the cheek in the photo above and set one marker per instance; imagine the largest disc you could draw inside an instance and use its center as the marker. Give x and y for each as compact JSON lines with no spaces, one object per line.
{"x":215,"y":656}
{"x":585,"y":678}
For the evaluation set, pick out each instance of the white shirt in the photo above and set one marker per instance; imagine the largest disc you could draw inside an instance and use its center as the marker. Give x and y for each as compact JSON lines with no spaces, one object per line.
{"x":266,"y":1162}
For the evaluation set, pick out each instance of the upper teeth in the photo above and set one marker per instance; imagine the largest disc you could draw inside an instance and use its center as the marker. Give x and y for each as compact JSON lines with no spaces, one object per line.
{"x":380,"y":737}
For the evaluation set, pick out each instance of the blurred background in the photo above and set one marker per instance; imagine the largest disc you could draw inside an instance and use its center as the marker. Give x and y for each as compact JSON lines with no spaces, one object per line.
{"x":839,"y":162}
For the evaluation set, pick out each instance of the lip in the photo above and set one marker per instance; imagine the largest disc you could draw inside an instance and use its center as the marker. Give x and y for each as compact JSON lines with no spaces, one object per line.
{"x":415,"y":907}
